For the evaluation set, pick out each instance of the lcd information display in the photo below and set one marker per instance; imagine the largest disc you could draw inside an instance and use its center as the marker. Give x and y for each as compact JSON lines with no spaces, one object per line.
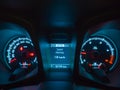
{"x":60,"y":55}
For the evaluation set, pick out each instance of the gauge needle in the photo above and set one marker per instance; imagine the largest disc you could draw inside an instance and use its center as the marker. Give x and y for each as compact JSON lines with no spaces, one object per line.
{"x":13,"y":60}
{"x":83,"y":53}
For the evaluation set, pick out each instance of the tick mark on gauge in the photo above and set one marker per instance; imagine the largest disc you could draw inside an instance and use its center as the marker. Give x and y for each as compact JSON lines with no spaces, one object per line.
{"x":107,"y":50}
{"x":100,"y":42}
{"x":90,"y":42}
{"x":95,"y":48}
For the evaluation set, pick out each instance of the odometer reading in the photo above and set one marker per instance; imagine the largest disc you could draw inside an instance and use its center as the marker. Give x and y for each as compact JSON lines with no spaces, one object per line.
{"x":98,"y":53}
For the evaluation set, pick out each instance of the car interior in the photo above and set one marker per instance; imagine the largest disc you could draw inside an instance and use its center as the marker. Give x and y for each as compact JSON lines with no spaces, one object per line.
{"x":59,"y":45}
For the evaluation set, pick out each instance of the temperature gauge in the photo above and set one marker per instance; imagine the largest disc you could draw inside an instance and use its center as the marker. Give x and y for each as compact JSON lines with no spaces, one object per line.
{"x":20,"y":53}
{"x":98,"y":53}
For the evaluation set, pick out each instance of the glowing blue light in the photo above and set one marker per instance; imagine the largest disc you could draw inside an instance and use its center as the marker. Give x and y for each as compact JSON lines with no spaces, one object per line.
{"x":59,"y":45}
{"x":61,"y":14}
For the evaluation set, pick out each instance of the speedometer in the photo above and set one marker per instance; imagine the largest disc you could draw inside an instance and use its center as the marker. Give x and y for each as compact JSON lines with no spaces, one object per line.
{"x":98,"y":52}
{"x":20,"y":53}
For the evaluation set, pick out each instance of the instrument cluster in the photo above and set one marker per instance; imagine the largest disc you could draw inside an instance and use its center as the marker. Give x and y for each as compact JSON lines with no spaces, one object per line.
{"x":98,"y":54}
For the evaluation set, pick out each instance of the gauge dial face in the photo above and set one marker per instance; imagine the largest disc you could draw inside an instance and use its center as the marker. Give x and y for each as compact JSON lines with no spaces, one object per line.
{"x":20,"y":53}
{"x":98,"y":53}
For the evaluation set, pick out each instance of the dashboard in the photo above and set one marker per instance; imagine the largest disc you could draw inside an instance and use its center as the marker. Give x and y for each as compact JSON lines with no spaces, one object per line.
{"x":59,"y":44}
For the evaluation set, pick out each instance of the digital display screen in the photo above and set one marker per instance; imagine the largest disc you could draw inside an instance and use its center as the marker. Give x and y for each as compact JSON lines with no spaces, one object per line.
{"x":60,"y":55}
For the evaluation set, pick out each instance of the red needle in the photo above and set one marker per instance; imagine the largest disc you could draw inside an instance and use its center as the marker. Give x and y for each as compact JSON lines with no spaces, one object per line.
{"x":13,"y":60}
{"x":83,"y":53}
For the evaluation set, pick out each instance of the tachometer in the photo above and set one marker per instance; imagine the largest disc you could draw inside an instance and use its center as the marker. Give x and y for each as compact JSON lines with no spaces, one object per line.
{"x":20,"y":53}
{"x":98,"y":52}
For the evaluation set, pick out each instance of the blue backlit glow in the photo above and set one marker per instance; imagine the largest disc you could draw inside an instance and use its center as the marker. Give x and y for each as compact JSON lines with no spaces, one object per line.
{"x":61,"y":14}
